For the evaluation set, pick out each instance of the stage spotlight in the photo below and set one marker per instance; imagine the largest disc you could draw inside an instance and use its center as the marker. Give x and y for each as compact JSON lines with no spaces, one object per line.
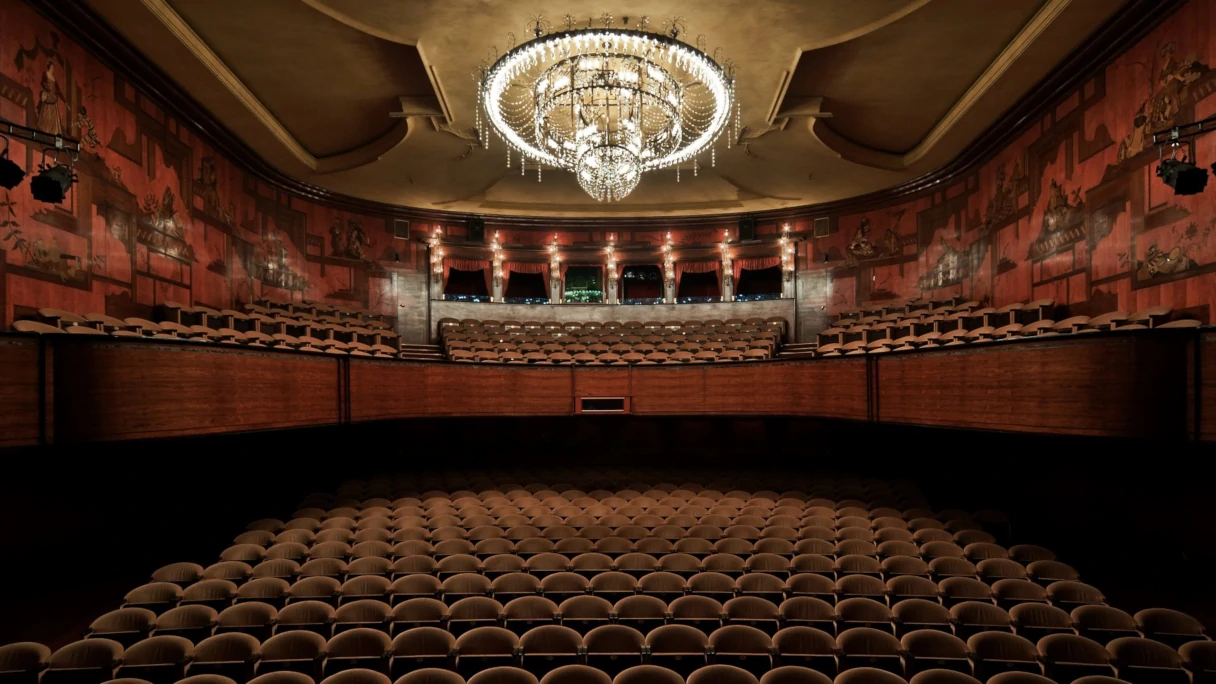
{"x":52,"y":183}
{"x":1184,"y":177}
{"x":10,"y":173}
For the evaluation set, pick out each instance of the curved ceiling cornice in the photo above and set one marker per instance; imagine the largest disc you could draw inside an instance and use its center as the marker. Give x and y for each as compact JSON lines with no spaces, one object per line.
{"x":80,"y":22}
{"x":860,"y":154}
{"x":362,"y":155}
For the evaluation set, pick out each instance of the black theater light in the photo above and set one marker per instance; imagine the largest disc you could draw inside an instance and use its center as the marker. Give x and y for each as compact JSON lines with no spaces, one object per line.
{"x":1184,"y":177}
{"x":11,"y":174}
{"x":53,"y":182}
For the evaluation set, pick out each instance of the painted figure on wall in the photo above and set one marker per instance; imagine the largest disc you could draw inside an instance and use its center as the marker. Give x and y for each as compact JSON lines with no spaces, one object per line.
{"x":861,"y":247}
{"x":88,"y":130}
{"x":1161,"y":262}
{"x":1171,"y":92}
{"x":349,"y":241}
{"x":50,"y":116}
{"x":207,"y":187}
{"x":1003,"y":204}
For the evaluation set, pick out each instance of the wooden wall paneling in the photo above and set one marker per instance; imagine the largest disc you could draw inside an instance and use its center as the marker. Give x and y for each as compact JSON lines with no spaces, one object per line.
{"x":602,"y":382}
{"x":827,"y":388}
{"x":742,"y":389}
{"x":1207,"y":386}
{"x":668,"y":390}
{"x":1128,"y":385}
{"x":473,"y":390}
{"x":108,"y":390}
{"x":382,"y":390}
{"x":20,"y":391}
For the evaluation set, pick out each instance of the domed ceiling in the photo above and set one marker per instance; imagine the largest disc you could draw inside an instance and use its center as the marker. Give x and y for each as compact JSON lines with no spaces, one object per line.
{"x":376,"y":98}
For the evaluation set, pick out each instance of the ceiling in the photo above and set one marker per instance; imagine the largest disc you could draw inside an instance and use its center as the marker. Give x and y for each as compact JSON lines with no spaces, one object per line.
{"x":838,"y":98}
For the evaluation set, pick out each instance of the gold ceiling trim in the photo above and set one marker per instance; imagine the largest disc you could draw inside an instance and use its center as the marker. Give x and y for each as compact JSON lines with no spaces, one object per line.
{"x":428,"y":66}
{"x":344,"y":161}
{"x":203,"y":52}
{"x":861,"y":154}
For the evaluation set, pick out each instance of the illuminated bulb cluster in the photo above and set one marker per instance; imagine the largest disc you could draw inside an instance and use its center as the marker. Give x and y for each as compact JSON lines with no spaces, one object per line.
{"x":555,"y":260}
{"x":787,"y":251}
{"x":607,"y":104}
{"x":669,"y":261}
{"x":496,"y":249}
{"x":610,"y":250}
{"x":436,"y":252}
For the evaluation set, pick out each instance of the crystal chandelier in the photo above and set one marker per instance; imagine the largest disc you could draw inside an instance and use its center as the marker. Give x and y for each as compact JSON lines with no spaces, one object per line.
{"x":607,"y":103}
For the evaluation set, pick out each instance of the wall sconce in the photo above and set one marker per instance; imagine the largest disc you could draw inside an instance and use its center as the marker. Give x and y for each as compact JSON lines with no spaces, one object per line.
{"x":436,"y":246}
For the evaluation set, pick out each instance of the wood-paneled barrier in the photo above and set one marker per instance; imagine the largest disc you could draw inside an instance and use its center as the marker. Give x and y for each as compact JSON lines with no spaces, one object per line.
{"x":69,"y":389}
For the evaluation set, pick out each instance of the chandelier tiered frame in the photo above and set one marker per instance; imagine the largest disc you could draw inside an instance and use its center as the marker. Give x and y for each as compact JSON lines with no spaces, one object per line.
{"x":607,"y":104}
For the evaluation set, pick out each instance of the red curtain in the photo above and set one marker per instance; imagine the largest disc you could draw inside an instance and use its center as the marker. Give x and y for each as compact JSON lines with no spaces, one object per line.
{"x":469,"y":265}
{"x":524,"y":267}
{"x":752,"y":264}
{"x":683,"y":267}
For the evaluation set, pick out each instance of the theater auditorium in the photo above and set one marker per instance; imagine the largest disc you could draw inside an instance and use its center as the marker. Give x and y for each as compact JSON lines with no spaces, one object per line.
{"x":570,"y":342}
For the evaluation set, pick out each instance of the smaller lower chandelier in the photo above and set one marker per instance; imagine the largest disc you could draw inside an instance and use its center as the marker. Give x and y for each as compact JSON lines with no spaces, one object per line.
{"x":607,"y":103}
{"x":608,"y":173}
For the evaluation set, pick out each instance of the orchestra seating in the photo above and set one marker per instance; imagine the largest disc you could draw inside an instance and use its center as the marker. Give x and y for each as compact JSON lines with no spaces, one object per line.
{"x":504,"y":580}
{"x":922,"y":324}
{"x":613,"y":342}
{"x":306,"y":327}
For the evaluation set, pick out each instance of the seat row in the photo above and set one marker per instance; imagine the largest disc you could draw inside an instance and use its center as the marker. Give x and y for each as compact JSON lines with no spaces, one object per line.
{"x":608,"y":358}
{"x":224,"y":336}
{"x":512,"y":534}
{"x":857,"y":598}
{"x":769,"y":570}
{"x":266,"y":305}
{"x":619,"y":513}
{"x":882,"y":339}
{"x":608,"y":483}
{"x":265,"y":612}
{"x":708,"y":499}
{"x":709,"y":324}
{"x":612,"y":649}
{"x":638,"y":674}
{"x":610,"y":337}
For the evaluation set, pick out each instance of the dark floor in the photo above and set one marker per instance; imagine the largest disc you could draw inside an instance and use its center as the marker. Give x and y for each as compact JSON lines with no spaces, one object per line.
{"x":82,"y":526}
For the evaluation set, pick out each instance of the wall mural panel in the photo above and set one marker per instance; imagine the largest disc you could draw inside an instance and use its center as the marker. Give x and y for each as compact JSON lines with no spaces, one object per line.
{"x":157,"y":215}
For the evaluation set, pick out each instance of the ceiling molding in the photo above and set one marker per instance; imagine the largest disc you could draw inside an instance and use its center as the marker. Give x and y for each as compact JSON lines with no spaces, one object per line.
{"x":343,"y":161}
{"x":342,"y":18}
{"x":867,"y":156}
{"x":205,"y":55}
{"x":357,"y":25}
{"x":860,"y":31}
{"x":1131,"y":23}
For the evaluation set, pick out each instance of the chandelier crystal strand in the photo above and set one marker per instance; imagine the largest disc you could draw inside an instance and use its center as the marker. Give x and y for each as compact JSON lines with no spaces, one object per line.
{"x":607,"y":104}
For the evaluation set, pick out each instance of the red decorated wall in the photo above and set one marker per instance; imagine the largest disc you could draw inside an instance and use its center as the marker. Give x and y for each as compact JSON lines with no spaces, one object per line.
{"x":1071,"y":210}
{"x":156,"y":214}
